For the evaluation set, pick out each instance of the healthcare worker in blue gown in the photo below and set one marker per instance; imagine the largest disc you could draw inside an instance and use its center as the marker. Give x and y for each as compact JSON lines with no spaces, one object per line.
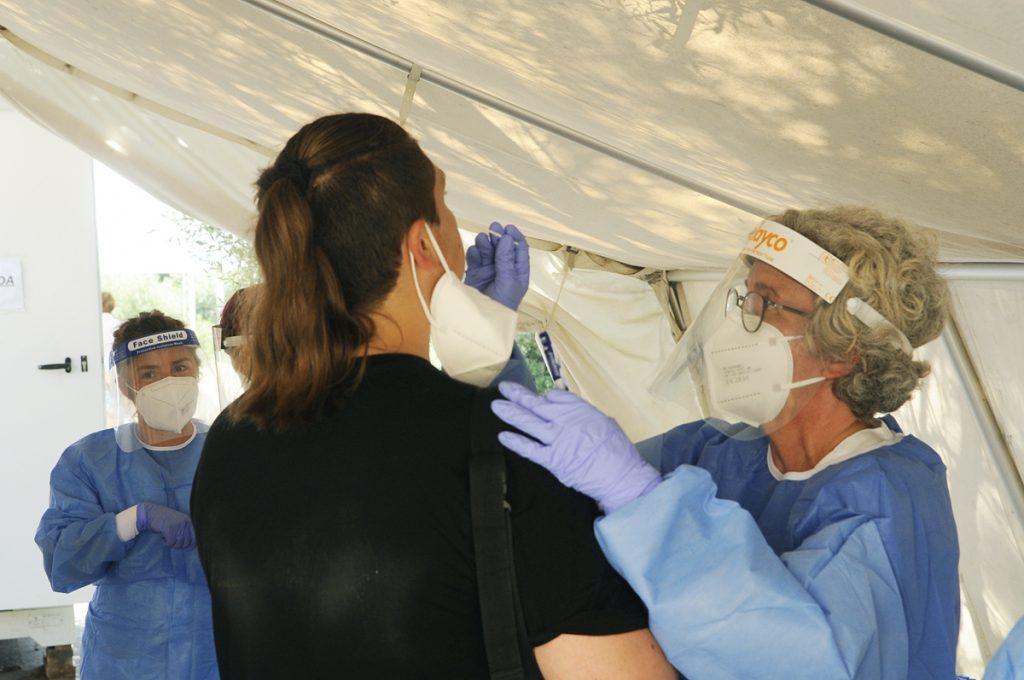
{"x":819,"y":544}
{"x":118,"y":516}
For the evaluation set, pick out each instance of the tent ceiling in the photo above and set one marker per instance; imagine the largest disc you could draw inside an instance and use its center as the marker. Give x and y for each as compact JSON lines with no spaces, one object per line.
{"x":990,"y":29}
{"x":760,"y":106}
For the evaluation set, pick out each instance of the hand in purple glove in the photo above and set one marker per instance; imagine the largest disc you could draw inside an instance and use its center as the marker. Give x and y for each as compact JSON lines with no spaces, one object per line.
{"x":173,"y":526}
{"x":582,"y":447}
{"x":498,"y":265}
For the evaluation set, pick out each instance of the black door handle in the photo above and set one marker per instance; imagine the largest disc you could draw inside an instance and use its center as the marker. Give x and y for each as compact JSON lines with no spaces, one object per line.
{"x":56,"y":367}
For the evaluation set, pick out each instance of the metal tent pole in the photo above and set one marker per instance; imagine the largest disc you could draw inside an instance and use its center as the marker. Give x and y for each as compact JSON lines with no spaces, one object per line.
{"x":926,"y":42}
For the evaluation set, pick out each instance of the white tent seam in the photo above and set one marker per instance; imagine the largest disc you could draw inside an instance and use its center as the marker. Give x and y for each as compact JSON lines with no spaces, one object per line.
{"x":153,"y":106}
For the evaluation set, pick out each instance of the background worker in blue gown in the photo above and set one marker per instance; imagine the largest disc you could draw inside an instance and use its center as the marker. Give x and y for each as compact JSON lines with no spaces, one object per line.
{"x":820,"y":544}
{"x":118,"y":518}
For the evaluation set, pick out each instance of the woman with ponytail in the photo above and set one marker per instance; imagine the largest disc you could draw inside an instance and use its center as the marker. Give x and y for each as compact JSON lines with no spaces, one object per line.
{"x":331,"y":504}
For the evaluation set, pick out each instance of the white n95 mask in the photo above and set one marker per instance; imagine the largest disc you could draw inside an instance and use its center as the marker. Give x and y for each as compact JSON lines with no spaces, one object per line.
{"x":471,"y":333}
{"x":749,"y":375}
{"x":168,"y":404}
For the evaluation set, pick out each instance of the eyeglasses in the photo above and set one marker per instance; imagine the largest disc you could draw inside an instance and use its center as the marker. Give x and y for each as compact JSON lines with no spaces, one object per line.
{"x":753,"y":306}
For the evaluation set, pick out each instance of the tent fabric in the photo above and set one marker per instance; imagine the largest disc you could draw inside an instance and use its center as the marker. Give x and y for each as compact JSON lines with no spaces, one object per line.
{"x":763,"y":107}
{"x":197,"y":172}
{"x":652,"y":132}
{"x":986,"y":312}
{"x":988,"y":522}
{"x":985,"y":29}
{"x":597,"y":348}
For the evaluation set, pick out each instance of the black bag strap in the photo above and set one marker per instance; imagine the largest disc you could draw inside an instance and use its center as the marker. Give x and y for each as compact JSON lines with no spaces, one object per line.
{"x":509,"y":654}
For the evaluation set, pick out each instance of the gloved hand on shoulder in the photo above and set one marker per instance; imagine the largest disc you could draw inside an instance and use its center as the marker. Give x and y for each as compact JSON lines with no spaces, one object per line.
{"x":174,"y":527}
{"x":498,"y":265}
{"x":582,"y":447}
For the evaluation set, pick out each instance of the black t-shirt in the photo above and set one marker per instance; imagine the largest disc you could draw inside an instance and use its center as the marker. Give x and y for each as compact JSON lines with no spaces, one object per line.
{"x":344,"y":549}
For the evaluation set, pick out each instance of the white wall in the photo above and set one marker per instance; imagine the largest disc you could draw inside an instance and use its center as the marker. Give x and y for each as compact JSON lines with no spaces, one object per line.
{"x":46,"y":220}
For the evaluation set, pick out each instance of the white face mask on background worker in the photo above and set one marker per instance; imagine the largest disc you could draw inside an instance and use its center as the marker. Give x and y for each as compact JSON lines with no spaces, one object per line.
{"x":471,"y":334}
{"x":158,"y":378}
{"x":168,"y":404}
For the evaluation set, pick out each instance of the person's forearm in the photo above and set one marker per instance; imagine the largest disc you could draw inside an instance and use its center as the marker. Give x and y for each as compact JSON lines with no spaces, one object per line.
{"x":625,"y":656}
{"x":80,"y":553}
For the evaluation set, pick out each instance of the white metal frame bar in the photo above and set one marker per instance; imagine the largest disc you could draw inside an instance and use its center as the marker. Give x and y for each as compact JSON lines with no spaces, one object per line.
{"x":983,"y":271}
{"x":926,"y":42}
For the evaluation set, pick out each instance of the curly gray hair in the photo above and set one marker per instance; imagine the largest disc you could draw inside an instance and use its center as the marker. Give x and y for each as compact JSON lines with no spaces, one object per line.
{"x":892,"y":268}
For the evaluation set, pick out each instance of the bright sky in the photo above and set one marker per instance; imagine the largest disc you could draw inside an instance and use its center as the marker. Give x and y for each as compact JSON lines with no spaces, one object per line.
{"x":135,"y":229}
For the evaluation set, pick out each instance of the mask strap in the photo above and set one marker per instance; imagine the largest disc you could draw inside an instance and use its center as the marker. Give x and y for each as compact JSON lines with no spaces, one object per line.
{"x":437,"y":249}
{"x":419,"y":293}
{"x":567,"y":266}
{"x":870,"y":317}
{"x":807,"y":381}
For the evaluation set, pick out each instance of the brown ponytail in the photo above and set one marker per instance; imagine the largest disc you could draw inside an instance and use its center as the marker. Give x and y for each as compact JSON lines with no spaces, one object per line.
{"x":333,"y":210}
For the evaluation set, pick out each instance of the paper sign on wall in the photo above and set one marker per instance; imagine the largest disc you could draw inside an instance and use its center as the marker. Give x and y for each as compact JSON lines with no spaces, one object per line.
{"x":12,"y":293}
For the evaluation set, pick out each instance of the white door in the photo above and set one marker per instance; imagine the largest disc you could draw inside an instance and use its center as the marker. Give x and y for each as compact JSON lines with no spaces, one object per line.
{"x":47,"y":222}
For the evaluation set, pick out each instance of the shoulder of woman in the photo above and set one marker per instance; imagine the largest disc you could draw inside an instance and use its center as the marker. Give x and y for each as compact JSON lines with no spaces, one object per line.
{"x":93,"y":454}
{"x":881,"y":482}
{"x":94,"y":446}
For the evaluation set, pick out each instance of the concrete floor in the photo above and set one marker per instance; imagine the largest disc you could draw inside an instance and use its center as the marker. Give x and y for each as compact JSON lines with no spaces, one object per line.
{"x":22,"y":659}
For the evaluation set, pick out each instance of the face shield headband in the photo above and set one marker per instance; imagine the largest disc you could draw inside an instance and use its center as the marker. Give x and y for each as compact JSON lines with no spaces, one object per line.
{"x":133,"y":348}
{"x":823,"y":273}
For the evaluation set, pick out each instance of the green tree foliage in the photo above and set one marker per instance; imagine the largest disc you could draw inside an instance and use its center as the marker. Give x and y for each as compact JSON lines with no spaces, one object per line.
{"x":225,"y":264}
{"x":134,"y":293}
{"x":535,"y":360}
{"x":224,"y":256}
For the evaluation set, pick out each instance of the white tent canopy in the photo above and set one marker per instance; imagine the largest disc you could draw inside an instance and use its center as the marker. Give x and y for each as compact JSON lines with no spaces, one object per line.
{"x":755,"y":108}
{"x":651,"y":132}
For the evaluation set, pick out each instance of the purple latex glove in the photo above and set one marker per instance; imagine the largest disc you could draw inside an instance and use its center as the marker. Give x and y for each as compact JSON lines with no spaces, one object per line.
{"x":582,"y":447}
{"x":498,"y":265}
{"x":173,"y":526}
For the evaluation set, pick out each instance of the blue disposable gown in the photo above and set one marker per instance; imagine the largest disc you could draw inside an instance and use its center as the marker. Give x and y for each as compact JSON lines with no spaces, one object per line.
{"x":1008,"y":662}
{"x":149,"y":618}
{"x":851,"y":573}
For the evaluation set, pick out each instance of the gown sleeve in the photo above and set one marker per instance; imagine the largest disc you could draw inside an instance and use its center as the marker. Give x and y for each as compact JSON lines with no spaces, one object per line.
{"x":722,"y":604}
{"x":1008,"y":661}
{"x":78,"y":538}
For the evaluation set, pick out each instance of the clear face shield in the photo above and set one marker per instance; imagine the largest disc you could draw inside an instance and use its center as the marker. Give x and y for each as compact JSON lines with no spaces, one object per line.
{"x":226,"y":354}
{"x":157,"y":378}
{"x":742,"y":361}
